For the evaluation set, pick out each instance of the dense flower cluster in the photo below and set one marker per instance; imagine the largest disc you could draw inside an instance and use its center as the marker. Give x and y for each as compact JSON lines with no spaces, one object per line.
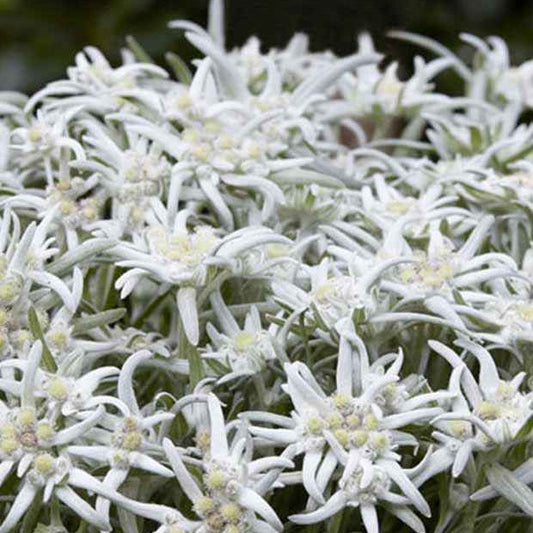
{"x":284,"y":289}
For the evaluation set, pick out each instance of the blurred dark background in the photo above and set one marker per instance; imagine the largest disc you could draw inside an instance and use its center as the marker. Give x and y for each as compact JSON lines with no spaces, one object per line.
{"x":38,"y":38}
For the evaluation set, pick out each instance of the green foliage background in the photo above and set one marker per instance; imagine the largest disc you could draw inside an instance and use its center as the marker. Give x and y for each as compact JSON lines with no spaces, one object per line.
{"x":38,"y":38}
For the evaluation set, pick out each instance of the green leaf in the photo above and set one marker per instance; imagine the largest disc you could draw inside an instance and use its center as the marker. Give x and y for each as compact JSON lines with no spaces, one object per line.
{"x":138,"y":50}
{"x":165,"y":398}
{"x":526,"y":430}
{"x":359,"y":316}
{"x":334,"y":523}
{"x":196,"y":368}
{"x":31,"y":517}
{"x":520,"y":155}
{"x":181,"y":70}
{"x":179,"y":427}
{"x":317,"y":316}
{"x":99,"y":320}
{"x":190,"y":352}
{"x":105,"y":285}
{"x":47,"y":358}
{"x":503,"y":482}
{"x":150,"y":308}
{"x":217,"y":367}
{"x":476,"y":139}
{"x":444,"y":499}
{"x":74,"y":257}
{"x":302,"y":176}
{"x":407,"y":516}
{"x":82,"y":528}
{"x":458,"y":297}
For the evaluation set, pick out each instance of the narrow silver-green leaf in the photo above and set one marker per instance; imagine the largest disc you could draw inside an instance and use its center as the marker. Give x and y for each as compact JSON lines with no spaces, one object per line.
{"x":190,"y":352}
{"x":180,"y":68}
{"x":47,"y":358}
{"x":138,"y":50}
{"x":302,"y":176}
{"x":87,"y":250}
{"x":503,"y":482}
{"x":102,"y":319}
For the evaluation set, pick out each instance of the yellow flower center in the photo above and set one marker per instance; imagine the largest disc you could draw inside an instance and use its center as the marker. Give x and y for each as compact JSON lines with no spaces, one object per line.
{"x":380,"y":441}
{"x":390,"y":88}
{"x":136,"y":214}
{"x":26,"y":417}
{"x":341,"y":401}
{"x":342,"y":436}
{"x":184,"y":101}
{"x":315,"y":425}
{"x":370,"y":422}
{"x":34,"y":134}
{"x":324,"y":291}
{"x":353,"y":421}
{"x":8,"y":291}
{"x":212,"y":126}
{"x":488,"y":411}
{"x":44,"y":431}
{"x":225,"y":141}
{"x":44,"y":463}
{"x":243,"y":340}
{"x":90,"y":212}
{"x":459,"y":428}
{"x":505,"y":390}
{"x":203,"y":441}
{"x":130,"y":424}
{"x":526,"y":312}
{"x":275,"y":250}
{"x":201,"y":151}
{"x":254,"y":151}
{"x":67,"y":207}
{"x":436,"y":276}
{"x":231,"y":512}
{"x":359,"y":437}
{"x":216,"y":479}
{"x":397,"y":207}
{"x":8,"y":445}
{"x":3,"y":317}
{"x":189,"y":136}
{"x":204,"y":505}
{"x":8,"y":431}
{"x":63,"y":186}
{"x":334,"y":420}
{"x":57,"y":389}
{"x":132,"y":440}
{"x":21,"y":337}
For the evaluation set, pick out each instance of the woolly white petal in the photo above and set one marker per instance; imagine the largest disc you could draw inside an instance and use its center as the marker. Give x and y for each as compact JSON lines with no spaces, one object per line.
{"x":251,"y":500}
{"x":186,"y":300}
{"x":82,"y":508}
{"x":22,"y":501}
{"x":332,"y":506}
{"x":188,"y":484}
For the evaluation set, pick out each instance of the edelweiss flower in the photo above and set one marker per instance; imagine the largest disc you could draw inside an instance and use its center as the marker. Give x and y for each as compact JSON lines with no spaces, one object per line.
{"x":288,"y":228}
{"x":229,"y":502}
{"x":347,"y":426}
{"x":183,"y":258}
{"x":485,"y":413}
{"x":246,"y":351}
{"x":334,"y":296}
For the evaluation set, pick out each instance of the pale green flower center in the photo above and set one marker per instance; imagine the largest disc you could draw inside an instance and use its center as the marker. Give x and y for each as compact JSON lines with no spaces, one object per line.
{"x":243,"y":340}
